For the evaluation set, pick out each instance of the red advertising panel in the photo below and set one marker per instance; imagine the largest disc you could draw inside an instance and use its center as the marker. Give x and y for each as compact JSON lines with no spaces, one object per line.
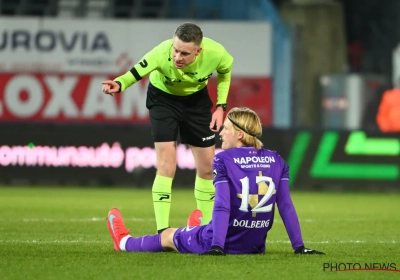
{"x":78,"y":98}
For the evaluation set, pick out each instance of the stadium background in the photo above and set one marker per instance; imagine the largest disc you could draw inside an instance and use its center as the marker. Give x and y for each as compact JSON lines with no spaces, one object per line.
{"x":309,"y":68}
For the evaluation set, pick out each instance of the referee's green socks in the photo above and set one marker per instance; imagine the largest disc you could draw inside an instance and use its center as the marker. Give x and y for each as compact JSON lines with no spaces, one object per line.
{"x":162,"y":201}
{"x":204,"y":192}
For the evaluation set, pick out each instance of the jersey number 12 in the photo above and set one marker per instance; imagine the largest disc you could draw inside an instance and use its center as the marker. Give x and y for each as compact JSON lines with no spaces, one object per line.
{"x":259,"y":208}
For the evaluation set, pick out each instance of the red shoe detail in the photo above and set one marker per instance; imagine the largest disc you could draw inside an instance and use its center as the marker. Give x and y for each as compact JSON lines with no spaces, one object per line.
{"x":195,"y":219}
{"x":116,"y":227}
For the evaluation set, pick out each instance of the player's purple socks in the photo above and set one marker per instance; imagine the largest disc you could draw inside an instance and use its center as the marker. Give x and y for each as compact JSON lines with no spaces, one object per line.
{"x":147,"y":243}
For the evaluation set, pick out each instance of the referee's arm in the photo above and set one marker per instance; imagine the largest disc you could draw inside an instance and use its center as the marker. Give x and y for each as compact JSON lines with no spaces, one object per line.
{"x":224,"y":77}
{"x":143,"y":68}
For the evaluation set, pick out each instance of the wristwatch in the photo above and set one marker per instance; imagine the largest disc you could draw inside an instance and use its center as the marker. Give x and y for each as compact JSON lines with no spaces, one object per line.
{"x":224,"y":106}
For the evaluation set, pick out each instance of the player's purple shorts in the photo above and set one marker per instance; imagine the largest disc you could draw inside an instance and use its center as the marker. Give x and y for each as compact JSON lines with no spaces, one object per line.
{"x":197,"y":240}
{"x":193,"y":240}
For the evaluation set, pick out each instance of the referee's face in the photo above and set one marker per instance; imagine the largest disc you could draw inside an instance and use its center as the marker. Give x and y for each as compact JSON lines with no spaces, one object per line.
{"x":184,"y":53}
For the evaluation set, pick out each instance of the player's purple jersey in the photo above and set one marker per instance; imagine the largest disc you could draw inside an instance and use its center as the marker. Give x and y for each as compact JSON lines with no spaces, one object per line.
{"x":248,"y":183}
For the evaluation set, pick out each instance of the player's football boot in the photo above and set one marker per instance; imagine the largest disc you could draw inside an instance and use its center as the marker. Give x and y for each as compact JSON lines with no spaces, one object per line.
{"x":116,"y":227}
{"x":195,"y":219}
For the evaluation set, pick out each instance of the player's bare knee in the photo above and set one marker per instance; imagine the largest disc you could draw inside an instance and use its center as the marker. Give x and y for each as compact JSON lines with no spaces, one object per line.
{"x":167,"y":239}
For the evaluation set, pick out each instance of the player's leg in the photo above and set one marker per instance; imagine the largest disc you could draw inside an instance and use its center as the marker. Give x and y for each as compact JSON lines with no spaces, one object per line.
{"x":191,"y":240}
{"x":160,"y":242}
{"x":164,"y":128}
{"x":124,"y":241}
{"x":188,"y":240}
{"x":195,"y":131}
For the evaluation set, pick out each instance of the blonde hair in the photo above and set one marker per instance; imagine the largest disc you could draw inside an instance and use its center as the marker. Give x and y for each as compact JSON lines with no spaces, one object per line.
{"x":246,"y":120}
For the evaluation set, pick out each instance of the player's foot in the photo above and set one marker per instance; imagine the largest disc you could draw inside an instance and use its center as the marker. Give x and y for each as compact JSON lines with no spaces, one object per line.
{"x":116,"y":227}
{"x":195,"y":219}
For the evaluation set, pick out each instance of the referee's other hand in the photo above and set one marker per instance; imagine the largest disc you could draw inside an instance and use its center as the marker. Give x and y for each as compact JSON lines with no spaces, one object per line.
{"x":217,"y":120}
{"x":110,"y":87}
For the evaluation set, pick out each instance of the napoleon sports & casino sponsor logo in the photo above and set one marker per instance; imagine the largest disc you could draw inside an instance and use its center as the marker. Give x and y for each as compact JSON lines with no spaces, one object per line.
{"x":44,"y":97}
{"x":254,"y":162}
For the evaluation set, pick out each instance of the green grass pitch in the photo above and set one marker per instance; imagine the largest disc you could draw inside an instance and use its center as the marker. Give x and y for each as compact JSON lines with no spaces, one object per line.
{"x":61,"y":233}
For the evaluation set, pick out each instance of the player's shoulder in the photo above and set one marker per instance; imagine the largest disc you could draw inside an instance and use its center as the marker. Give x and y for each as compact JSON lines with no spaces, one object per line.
{"x":245,"y":154}
{"x":220,"y":155}
{"x":275,"y":154}
{"x":234,"y":153}
{"x":271,"y":152}
{"x":248,"y":152}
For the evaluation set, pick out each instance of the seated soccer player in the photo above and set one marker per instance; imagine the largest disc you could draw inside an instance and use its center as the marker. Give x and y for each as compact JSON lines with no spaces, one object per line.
{"x":248,"y":180}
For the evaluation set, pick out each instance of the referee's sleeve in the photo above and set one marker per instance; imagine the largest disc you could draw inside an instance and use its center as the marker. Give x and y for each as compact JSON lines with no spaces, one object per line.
{"x":226,"y":63}
{"x":144,"y":67}
{"x":224,"y":77}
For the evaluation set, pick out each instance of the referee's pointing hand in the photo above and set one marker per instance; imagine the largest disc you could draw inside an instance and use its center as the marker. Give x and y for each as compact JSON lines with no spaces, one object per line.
{"x":110,"y":87}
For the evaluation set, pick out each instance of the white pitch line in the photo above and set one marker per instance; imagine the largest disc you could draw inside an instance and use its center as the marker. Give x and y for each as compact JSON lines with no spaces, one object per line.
{"x":268,"y":241}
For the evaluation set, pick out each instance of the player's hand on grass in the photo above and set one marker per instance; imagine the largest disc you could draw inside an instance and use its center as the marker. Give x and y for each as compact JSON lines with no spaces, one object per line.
{"x":214,"y":251}
{"x":217,"y":120}
{"x":305,"y":251}
{"x":110,"y":87}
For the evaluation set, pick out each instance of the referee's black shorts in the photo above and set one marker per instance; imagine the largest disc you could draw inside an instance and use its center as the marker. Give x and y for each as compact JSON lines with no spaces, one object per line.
{"x":190,"y":115}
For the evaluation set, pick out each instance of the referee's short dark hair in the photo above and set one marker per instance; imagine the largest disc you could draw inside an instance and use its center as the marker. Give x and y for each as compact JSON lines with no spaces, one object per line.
{"x":189,"y":32}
